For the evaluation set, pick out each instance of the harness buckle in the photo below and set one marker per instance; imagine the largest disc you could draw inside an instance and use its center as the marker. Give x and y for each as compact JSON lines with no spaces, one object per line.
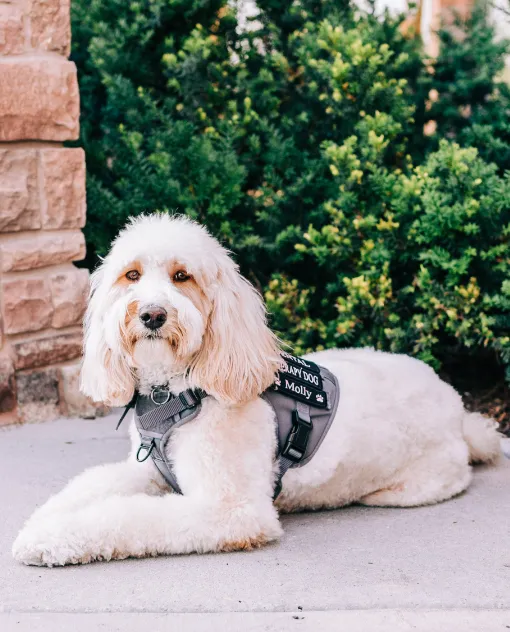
{"x":188,"y":398}
{"x":295,"y":446}
{"x":148,"y":450}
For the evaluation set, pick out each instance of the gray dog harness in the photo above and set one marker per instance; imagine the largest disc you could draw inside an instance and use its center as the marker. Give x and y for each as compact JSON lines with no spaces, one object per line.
{"x":304,"y":398}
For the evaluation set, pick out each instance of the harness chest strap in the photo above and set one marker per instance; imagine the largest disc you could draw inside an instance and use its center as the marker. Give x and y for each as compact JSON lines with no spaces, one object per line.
{"x":165,"y":413}
{"x":295,"y":446}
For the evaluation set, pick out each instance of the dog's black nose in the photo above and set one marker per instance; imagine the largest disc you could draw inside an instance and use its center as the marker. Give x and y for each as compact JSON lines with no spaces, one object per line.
{"x":153,"y":317}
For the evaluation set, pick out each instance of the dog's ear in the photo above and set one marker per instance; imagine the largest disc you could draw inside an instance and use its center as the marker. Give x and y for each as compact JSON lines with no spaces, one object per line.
{"x":105,"y":375}
{"x":239,"y":355}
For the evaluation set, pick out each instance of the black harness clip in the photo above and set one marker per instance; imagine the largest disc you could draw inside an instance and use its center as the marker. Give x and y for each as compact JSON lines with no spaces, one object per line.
{"x":189,"y":398}
{"x":295,"y":446}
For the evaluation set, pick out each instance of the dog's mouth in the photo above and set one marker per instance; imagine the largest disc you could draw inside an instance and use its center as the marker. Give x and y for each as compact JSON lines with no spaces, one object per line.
{"x":170,"y":335}
{"x":145,"y":337}
{"x":153,"y":335}
{"x":158,"y":336}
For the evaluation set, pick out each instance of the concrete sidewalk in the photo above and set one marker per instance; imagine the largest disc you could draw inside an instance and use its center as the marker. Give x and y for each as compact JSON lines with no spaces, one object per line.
{"x":442,"y":567}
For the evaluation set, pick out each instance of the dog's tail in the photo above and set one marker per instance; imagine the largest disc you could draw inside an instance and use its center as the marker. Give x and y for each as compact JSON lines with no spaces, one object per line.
{"x":482,"y":437}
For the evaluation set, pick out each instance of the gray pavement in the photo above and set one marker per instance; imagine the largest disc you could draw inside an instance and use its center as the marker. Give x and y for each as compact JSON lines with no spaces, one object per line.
{"x":430,"y":568}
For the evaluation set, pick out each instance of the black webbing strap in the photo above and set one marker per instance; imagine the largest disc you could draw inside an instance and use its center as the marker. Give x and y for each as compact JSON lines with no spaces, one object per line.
{"x":127,"y":409}
{"x":295,"y":446}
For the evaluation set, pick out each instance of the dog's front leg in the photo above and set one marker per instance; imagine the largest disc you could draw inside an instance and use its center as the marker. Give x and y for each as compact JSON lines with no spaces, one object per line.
{"x":93,"y":485}
{"x":112,"y":479}
{"x":140,"y":526}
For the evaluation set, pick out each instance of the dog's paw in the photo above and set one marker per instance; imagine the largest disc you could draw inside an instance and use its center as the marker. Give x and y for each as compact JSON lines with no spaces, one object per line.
{"x":49,"y":545}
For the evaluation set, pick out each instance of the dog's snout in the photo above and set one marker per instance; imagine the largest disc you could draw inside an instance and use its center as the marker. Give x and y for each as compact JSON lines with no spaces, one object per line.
{"x":153,"y":316}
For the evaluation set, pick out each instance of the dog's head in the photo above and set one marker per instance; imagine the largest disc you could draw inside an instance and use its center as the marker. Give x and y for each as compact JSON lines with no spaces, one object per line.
{"x":169,"y":301}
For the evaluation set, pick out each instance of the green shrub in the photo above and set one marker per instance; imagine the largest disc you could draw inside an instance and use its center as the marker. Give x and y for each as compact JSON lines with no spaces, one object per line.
{"x":424,"y":269}
{"x":297,"y":143}
{"x":147,"y":69}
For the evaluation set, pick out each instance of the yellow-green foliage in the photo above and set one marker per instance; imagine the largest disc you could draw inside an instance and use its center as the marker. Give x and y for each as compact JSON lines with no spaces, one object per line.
{"x":421,"y":267}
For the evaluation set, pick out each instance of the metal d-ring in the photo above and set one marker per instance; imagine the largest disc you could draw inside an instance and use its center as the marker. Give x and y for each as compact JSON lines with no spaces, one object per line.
{"x":148,"y":450}
{"x":157,"y":390}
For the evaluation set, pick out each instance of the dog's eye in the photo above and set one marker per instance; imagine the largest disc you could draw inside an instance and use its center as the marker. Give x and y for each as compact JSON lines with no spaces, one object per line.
{"x":181,"y":276}
{"x":133,"y":275}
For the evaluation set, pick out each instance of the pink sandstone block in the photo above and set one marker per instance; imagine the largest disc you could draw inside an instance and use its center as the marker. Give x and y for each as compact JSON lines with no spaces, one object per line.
{"x":39,"y":99}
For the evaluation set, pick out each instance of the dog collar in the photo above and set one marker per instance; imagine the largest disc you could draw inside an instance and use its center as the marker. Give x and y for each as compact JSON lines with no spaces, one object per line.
{"x":164,"y":401}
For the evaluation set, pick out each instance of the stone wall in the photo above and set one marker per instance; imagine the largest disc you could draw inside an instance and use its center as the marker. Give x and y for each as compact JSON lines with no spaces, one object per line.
{"x":42,"y":209}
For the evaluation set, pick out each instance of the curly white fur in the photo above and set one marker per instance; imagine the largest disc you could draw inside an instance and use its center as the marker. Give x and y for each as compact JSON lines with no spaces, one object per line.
{"x":401,"y":436}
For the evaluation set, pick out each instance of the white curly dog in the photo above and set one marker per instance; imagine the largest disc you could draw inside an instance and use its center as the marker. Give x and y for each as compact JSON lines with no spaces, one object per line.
{"x":401,"y":436}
